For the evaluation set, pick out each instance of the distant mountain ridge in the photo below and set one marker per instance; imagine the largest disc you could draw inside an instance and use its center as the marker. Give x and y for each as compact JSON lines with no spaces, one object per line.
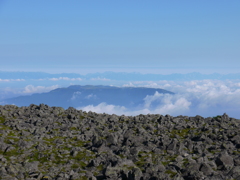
{"x":155,"y":77}
{"x":119,"y":76}
{"x":79,"y":96}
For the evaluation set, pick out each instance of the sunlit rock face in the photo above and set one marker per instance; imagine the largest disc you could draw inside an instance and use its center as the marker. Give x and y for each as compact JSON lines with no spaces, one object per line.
{"x":43,"y":142}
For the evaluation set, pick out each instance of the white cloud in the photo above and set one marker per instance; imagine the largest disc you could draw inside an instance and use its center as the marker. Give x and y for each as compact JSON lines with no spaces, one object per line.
{"x":167,"y":104}
{"x":91,"y":96}
{"x":38,"y":89}
{"x":105,"y":108}
{"x":75,"y":95}
{"x":200,"y":97}
{"x":9,"y":80}
{"x":100,"y":79}
{"x":130,"y":84}
{"x":65,"y":79}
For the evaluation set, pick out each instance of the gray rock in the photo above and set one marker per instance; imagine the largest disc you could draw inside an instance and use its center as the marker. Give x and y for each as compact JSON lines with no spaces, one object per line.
{"x":235,"y":172}
{"x":72,"y":144}
{"x":111,"y":139}
{"x":112,"y":172}
{"x":206,"y":169}
{"x":237,"y":161}
{"x":137,"y":173}
{"x":224,"y":161}
{"x":31,"y":166}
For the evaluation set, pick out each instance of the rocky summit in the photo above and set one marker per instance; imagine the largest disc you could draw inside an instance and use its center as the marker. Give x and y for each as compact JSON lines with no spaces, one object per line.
{"x":42,"y":142}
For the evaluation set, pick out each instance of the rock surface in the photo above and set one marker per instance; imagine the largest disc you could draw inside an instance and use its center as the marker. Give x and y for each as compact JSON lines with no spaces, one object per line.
{"x":42,"y":142}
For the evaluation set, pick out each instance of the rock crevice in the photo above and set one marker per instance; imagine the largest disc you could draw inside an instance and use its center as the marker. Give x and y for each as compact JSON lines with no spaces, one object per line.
{"x":42,"y":142}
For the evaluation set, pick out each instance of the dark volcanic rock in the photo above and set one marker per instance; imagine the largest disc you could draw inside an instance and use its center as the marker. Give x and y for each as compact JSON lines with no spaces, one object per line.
{"x":42,"y":142}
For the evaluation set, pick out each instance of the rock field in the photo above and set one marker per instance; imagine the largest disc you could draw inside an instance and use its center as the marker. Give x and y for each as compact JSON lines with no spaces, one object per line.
{"x":46,"y":143}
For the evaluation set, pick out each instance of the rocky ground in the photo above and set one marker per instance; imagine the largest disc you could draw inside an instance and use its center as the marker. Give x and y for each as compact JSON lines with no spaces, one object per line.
{"x":42,"y":142}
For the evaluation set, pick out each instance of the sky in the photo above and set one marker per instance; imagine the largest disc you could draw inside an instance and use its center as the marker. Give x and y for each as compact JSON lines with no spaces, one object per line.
{"x":123,"y":36}
{"x":159,"y":37}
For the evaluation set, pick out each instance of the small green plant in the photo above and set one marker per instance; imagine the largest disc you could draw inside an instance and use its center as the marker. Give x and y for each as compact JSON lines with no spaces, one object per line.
{"x":140,"y":164}
{"x":171,"y":158}
{"x":122,"y":156}
{"x":236,"y":152}
{"x":128,"y":167}
{"x":185,"y":161}
{"x":100,"y":167}
{"x":165,"y":163}
{"x":83,"y":178}
{"x":181,"y":132}
{"x":82,"y":117}
{"x":73,"y":129}
{"x":2,"y":119}
{"x":75,"y":166}
{"x":171,"y":173}
{"x":216,"y":117}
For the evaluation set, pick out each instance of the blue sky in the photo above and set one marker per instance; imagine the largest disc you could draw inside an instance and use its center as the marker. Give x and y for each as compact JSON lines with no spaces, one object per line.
{"x":142,"y":36}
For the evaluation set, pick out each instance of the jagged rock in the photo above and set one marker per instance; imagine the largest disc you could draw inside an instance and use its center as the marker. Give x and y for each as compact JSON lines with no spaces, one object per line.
{"x":191,"y":169}
{"x":235,"y":172}
{"x":237,"y":161}
{"x":111,"y":139}
{"x":31,"y":166}
{"x":206,"y":169}
{"x":112,"y":172}
{"x":224,"y":161}
{"x":3,"y":172}
{"x":73,"y":144}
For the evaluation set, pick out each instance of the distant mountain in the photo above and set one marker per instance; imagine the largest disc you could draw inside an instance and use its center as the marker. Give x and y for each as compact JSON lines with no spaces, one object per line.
{"x":156,"y":77}
{"x":35,"y":75}
{"x":122,"y":76}
{"x":79,"y":96}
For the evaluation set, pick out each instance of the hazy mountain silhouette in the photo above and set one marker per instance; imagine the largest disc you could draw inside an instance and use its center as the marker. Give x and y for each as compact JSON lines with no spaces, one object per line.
{"x":79,"y":96}
{"x":119,"y":76}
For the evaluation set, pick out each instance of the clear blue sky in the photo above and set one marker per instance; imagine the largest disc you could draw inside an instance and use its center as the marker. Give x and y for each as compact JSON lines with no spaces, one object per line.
{"x":158,"y":36}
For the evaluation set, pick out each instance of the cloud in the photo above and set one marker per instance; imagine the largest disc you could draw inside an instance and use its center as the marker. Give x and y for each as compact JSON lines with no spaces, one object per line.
{"x":9,"y":80}
{"x":91,"y":96}
{"x":167,"y":104}
{"x":75,"y":95}
{"x":195,"y":97}
{"x":105,"y":108}
{"x":38,"y":89}
{"x":200,"y":97}
{"x":100,"y":79}
{"x":65,"y":79}
{"x":214,"y":94}
{"x":130,"y":84}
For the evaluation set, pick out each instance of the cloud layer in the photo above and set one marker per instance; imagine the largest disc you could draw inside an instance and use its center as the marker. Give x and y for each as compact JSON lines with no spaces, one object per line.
{"x":38,"y":89}
{"x":195,"y":97}
{"x":10,"y":80}
{"x":65,"y":79}
{"x":199,"y":97}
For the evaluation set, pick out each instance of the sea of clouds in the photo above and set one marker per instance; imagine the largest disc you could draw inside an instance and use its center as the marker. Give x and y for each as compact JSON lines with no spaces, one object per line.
{"x":196,"y":97}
